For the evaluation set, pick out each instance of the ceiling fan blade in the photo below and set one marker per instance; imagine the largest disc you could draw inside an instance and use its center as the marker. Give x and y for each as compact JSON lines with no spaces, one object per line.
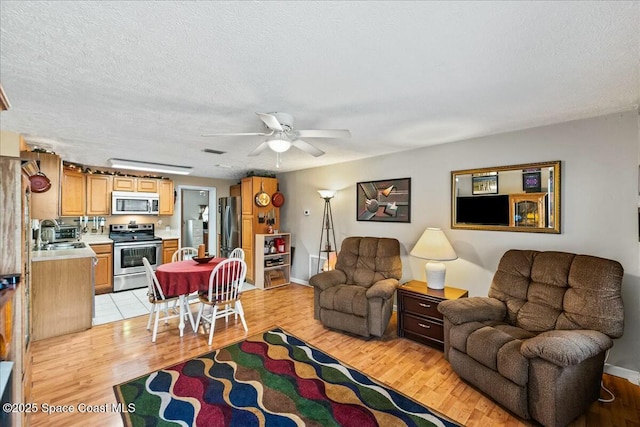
{"x":306,"y":147}
{"x":324,"y":133}
{"x":271,"y":121}
{"x":259,"y":149}
{"x":238,"y":134}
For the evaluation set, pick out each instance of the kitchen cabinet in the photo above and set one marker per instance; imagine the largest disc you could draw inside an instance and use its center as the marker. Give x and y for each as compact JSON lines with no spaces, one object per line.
{"x":273,"y":269}
{"x":98,"y":194}
{"x":418,"y":316}
{"x":47,"y":204}
{"x":73,"y":193}
{"x":254,"y":217}
{"x":146,"y":185}
{"x":130,"y":183}
{"x":121,"y":183}
{"x":169,"y":246}
{"x":62,"y":296}
{"x":103,"y":273}
{"x":165,"y":191}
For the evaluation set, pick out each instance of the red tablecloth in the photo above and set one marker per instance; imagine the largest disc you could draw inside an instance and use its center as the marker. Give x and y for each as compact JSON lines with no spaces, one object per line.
{"x":185,"y":277}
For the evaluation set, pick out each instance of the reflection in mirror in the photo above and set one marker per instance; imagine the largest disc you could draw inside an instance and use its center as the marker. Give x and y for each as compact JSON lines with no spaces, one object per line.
{"x":507,"y":198}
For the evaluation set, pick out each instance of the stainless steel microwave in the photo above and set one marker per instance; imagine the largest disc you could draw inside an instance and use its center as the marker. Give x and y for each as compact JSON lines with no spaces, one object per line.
{"x":131,"y":203}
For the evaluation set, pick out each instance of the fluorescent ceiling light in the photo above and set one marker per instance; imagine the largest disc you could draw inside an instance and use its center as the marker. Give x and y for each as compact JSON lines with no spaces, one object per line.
{"x":150,"y":166}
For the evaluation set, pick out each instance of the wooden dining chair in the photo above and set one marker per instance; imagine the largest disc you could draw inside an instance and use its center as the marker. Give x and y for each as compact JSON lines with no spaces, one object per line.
{"x":223,"y":295}
{"x":159,"y":302}
{"x":237,"y":253}
{"x":183,"y":253}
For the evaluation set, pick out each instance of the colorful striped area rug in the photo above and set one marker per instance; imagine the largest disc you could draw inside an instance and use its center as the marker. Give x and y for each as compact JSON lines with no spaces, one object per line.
{"x":270,"y":379}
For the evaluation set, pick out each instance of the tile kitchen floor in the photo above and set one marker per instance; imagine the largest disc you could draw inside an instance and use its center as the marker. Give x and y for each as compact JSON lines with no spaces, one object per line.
{"x":123,"y":305}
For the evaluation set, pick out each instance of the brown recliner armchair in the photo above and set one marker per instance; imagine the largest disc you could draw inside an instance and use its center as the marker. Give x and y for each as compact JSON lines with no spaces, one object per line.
{"x":537,"y":344}
{"x":357,"y":296}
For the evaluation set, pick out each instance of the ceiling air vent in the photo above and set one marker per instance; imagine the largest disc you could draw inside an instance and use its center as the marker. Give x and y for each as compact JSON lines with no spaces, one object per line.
{"x":209,"y":150}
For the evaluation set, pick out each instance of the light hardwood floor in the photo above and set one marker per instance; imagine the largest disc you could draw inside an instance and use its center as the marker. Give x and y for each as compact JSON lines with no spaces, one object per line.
{"x":83,"y":367}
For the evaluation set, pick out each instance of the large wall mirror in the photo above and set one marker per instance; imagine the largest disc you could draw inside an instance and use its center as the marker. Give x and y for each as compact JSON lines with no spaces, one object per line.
{"x":507,"y":198}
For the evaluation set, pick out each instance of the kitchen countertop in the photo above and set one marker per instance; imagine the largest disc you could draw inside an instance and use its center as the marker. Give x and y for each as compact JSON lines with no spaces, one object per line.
{"x":95,"y":239}
{"x":62,"y":254}
{"x":172,"y":234}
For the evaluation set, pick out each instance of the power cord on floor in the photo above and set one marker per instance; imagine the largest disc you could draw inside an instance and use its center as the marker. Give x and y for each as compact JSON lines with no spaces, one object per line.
{"x":613,"y":397}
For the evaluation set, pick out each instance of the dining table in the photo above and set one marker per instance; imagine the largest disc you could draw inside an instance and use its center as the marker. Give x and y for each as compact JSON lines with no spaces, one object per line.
{"x":182,"y":278}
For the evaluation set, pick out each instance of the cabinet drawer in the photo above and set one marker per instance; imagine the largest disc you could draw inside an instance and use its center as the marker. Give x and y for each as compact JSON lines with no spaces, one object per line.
{"x":420,"y":306}
{"x":101,"y":248}
{"x":423,"y":327}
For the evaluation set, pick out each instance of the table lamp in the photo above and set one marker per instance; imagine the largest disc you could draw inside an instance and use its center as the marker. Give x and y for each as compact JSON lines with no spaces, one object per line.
{"x":434,"y":246}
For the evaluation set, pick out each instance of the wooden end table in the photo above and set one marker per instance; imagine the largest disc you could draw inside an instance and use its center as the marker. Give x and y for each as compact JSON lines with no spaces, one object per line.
{"x":418,"y":316}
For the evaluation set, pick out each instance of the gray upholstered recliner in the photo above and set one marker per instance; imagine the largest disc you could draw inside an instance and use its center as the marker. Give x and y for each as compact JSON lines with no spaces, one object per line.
{"x":537,"y":344}
{"x":357,"y":296}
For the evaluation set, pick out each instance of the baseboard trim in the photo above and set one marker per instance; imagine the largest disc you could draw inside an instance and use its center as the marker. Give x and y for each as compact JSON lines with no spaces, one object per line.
{"x":299,"y":281}
{"x":629,"y":374}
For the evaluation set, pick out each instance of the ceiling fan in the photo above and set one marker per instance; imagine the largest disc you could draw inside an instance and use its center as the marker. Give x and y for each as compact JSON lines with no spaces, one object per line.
{"x":281,"y":135}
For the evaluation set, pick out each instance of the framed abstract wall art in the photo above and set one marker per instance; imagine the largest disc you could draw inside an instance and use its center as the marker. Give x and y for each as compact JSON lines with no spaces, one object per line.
{"x":384,"y":201}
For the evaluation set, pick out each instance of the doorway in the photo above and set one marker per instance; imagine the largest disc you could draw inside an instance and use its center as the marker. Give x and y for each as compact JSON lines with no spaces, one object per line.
{"x":198,"y":219}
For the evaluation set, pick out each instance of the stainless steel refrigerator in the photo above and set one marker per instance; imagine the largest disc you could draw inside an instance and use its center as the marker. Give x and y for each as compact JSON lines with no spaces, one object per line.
{"x":230,"y":224}
{"x":194,"y":233}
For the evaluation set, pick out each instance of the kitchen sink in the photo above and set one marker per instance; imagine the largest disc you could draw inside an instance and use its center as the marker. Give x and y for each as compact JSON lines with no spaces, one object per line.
{"x":63,"y":245}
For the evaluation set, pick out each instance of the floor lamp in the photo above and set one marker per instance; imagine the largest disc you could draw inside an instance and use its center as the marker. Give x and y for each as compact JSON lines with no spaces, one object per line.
{"x":327,"y":229}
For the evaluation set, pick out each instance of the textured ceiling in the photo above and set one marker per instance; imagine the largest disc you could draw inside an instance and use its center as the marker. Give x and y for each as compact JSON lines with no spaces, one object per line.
{"x":143,"y":80}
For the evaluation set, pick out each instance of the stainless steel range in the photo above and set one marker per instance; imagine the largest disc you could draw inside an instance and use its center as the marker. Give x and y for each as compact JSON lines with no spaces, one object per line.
{"x":131,"y":243}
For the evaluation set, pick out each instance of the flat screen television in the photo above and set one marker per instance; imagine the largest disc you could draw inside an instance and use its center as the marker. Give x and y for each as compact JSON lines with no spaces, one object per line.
{"x":486,"y":210}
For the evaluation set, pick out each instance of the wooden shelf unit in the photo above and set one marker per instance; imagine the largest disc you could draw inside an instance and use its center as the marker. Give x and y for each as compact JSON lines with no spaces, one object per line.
{"x":282,"y":272}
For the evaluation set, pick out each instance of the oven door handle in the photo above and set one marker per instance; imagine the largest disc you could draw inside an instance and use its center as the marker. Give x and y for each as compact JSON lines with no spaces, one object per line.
{"x":137,"y":243}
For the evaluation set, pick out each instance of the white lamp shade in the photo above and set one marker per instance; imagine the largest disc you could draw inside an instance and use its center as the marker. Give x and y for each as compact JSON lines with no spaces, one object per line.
{"x":327,"y":194}
{"x":433,"y":245}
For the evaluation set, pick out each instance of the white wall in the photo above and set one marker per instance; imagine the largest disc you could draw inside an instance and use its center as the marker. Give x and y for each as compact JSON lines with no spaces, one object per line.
{"x":599,"y":182}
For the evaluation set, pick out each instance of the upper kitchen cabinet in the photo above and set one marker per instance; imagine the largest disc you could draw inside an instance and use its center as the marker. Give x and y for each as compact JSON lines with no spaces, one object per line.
{"x":73,"y":192}
{"x":46,"y":204}
{"x":146,"y":185}
{"x":122,"y":183}
{"x":165,"y":190}
{"x":142,"y":185}
{"x":98,"y":194}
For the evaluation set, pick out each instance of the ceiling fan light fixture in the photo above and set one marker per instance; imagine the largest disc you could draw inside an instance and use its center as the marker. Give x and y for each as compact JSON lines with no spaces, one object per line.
{"x":279,"y":142}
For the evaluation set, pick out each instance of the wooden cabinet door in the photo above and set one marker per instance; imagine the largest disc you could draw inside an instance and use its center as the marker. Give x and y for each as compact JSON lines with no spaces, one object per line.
{"x":47,"y":204}
{"x":147,"y":185}
{"x":247,"y":196}
{"x":121,"y":183}
{"x":165,"y":190}
{"x":103,"y":273}
{"x":98,"y":195}
{"x":73,"y":193}
{"x":247,"y":244}
{"x":169,"y":246}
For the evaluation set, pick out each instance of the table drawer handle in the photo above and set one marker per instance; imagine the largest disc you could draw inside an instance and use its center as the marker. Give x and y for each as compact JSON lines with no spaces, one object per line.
{"x":422,"y":325}
{"x":425,"y":305}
